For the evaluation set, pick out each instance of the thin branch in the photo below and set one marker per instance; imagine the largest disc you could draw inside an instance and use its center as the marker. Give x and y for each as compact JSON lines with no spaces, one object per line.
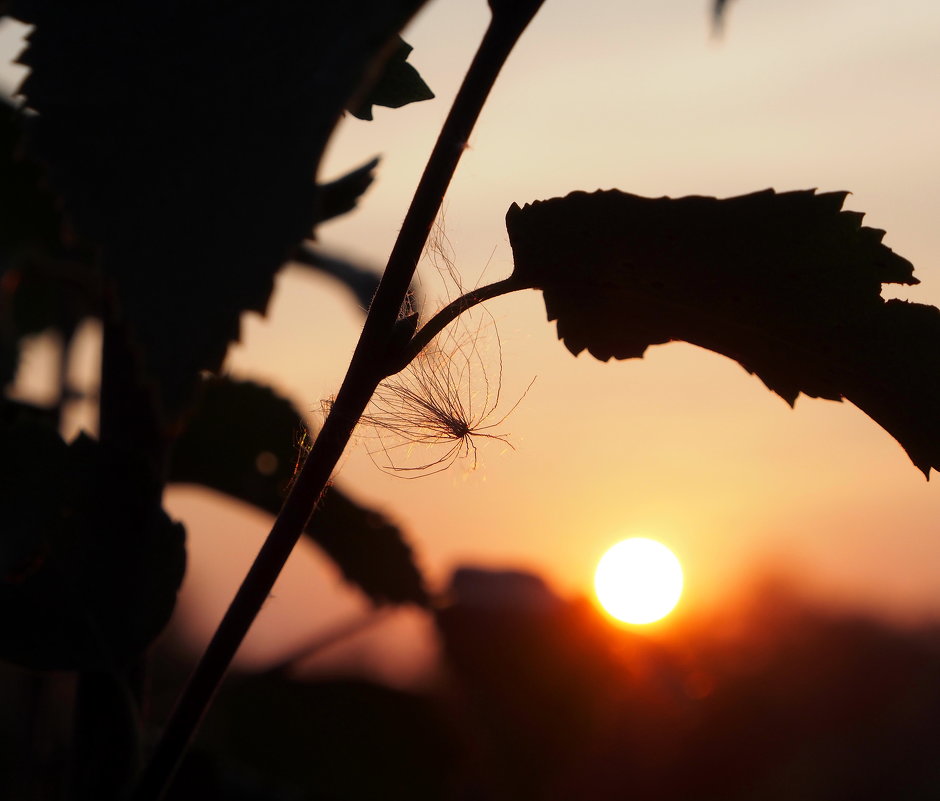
{"x":326,"y":639}
{"x":364,"y":373}
{"x":447,"y":315}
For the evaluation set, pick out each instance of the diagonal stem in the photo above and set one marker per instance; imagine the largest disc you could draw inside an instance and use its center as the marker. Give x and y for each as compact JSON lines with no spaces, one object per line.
{"x":365,"y":371}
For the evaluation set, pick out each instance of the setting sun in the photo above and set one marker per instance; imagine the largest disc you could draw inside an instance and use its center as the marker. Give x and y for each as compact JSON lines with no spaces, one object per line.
{"x":638,"y":581}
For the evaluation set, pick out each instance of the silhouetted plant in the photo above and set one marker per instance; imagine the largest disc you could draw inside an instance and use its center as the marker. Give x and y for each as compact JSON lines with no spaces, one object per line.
{"x":172,"y":150}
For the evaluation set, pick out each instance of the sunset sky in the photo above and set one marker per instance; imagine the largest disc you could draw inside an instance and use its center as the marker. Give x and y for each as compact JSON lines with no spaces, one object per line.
{"x":682,"y":446}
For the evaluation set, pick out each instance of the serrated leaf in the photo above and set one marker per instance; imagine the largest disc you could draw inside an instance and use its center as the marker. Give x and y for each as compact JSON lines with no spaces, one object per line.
{"x":90,"y":563}
{"x":184,"y":139}
{"x":788,"y":284}
{"x":242,"y":439}
{"x":397,"y":85}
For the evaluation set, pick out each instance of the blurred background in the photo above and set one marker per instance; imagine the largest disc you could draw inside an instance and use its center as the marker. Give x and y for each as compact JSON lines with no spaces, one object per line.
{"x":807,"y":537}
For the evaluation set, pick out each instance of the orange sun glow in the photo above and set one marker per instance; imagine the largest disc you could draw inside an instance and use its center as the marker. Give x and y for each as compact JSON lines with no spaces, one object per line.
{"x":638,"y":580}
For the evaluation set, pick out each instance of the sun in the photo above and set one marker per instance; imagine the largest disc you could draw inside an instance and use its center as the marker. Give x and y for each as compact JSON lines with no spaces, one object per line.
{"x":638,"y":581}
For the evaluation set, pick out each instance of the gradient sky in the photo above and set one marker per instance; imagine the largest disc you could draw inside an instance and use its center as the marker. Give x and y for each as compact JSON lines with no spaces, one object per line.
{"x":682,"y":445}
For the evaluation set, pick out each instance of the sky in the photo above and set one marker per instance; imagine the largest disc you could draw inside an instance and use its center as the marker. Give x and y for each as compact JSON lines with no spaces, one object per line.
{"x":682,"y":446}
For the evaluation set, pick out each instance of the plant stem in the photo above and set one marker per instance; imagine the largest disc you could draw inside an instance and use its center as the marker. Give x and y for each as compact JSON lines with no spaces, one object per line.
{"x":105,"y":750}
{"x":447,"y":315}
{"x":364,"y":373}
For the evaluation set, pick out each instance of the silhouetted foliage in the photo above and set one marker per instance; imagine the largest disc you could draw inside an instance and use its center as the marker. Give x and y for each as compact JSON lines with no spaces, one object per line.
{"x":167,"y":172}
{"x":369,"y":549}
{"x":340,"y":196}
{"x":245,"y":440}
{"x":787,"y":284}
{"x":241,"y":439}
{"x":370,"y":741}
{"x":780,"y":700}
{"x":546,"y":701}
{"x":361,"y":282}
{"x":43,"y":284}
{"x":219,"y":112}
{"x":398,"y":85}
{"x":530,"y":673}
{"x":29,"y":222}
{"x":91,"y":563}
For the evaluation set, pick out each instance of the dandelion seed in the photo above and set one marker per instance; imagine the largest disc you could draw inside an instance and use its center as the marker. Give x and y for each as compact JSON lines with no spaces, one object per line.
{"x":432,"y":413}
{"x":428,"y":416}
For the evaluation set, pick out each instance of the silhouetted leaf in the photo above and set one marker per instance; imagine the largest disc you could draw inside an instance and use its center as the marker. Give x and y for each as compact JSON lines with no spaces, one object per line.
{"x":398,"y":85}
{"x":340,"y":196}
{"x":184,"y":139}
{"x":243,"y":440}
{"x":90,"y":564}
{"x":361,"y":282}
{"x":370,"y":551}
{"x":787,"y":284}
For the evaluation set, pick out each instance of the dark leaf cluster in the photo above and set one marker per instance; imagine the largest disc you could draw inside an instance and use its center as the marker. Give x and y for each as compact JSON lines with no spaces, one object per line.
{"x":184,"y":140}
{"x":161,"y":170}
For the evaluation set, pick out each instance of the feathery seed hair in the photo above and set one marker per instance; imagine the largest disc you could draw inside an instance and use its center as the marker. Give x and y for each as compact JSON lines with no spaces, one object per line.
{"x":428,"y":416}
{"x":438,"y":405}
